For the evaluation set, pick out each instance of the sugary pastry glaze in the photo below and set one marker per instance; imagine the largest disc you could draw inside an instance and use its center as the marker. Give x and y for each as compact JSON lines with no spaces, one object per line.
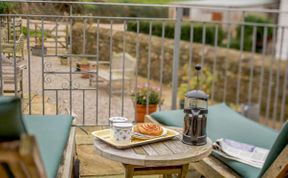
{"x":148,"y":129}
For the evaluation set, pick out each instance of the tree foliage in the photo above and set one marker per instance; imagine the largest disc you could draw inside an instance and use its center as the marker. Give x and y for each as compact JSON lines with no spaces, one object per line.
{"x":198,"y":29}
{"x":5,"y":7}
{"x":246,"y":31}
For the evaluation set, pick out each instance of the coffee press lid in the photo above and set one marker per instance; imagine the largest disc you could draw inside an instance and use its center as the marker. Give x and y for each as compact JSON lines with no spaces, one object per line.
{"x":198,"y":94}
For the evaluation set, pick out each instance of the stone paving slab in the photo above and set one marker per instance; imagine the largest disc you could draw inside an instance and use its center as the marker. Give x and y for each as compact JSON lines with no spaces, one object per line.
{"x":94,"y":166}
{"x":91,"y":164}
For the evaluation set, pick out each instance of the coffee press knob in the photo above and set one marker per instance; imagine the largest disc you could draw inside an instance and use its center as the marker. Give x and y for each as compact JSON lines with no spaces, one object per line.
{"x":198,"y":67}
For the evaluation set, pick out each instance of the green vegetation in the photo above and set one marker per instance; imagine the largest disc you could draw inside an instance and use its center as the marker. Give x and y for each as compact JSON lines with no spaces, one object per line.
{"x":185,"y":31}
{"x":210,"y":32}
{"x":248,"y":33}
{"x":143,"y":91}
{"x":136,"y":1}
{"x":5,"y":7}
{"x":37,"y":34}
{"x":190,"y":83}
{"x":34,"y":33}
{"x":142,"y":1}
{"x":124,"y":11}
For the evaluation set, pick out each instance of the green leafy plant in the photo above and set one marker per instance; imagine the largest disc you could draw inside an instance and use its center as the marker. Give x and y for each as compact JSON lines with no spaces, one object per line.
{"x":185,"y":31}
{"x":191,"y":84}
{"x":5,"y":7}
{"x":248,"y":33}
{"x":142,"y":1}
{"x":37,"y":34}
{"x":144,"y":92}
{"x":125,"y":11}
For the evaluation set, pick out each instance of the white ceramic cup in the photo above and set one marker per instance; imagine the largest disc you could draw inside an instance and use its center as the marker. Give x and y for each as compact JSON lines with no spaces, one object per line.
{"x":114,"y":120}
{"x":122,"y":133}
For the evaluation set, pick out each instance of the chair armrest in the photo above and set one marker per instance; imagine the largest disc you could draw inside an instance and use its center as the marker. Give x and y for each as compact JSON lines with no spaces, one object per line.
{"x":65,"y":170}
{"x":30,"y":154}
{"x":279,"y":168}
{"x":212,"y":167}
{"x":26,"y":151}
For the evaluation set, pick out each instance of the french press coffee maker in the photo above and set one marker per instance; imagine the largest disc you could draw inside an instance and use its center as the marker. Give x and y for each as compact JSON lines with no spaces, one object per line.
{"x":196,"y":109}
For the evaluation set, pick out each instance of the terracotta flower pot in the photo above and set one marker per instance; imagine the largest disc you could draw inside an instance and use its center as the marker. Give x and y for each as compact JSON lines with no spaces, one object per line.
{"x":84,"y":68}
{"x":141,"y":111}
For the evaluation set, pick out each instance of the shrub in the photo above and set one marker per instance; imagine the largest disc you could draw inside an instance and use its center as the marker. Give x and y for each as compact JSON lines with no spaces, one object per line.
{"x":5,"y":7}
{"x":37,"y":34}
{"x":33,"y":33}
{"x":125,"y":11}
{"x":185,"y":31}
{"x":248,"y":33}
{"x":191,"y":83}
{"x":143,"y":91}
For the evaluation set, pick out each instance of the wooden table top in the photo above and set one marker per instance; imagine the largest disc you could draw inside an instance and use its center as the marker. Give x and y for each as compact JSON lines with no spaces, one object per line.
{"x":166,"y":153}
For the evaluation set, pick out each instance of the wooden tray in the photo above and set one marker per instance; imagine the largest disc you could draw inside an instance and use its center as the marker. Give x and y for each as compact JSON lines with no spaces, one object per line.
{"x":104,"y":135}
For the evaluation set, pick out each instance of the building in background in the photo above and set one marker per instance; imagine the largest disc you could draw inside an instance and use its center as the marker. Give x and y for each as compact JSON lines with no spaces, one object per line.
{"x":194,"y":13}
{"x":198,"y":14}
{"x":282,"y":37}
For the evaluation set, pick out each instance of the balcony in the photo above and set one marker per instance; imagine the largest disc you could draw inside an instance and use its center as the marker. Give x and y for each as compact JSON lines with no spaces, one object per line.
{"x":85,"y":59}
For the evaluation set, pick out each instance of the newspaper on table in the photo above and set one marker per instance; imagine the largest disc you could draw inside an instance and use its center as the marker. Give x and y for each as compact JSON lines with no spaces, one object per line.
{"x":245,"y":153}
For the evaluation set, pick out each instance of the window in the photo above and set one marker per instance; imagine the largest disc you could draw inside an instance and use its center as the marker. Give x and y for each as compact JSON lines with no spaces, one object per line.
{"x":186,"y":12}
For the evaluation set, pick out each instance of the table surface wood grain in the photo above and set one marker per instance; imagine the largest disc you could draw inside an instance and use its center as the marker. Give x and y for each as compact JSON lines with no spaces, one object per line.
{"x":166,"y":153}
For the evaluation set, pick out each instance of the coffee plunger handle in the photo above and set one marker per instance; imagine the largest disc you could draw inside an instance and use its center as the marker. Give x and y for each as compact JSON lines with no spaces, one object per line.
{"x":198,"y":68}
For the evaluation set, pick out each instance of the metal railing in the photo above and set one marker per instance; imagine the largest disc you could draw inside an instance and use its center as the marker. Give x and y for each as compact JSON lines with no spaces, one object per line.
{"x":255,"y":78}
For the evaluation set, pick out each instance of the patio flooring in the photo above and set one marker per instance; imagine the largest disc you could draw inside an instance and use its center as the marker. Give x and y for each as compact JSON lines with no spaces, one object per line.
{"x":95,"y":166}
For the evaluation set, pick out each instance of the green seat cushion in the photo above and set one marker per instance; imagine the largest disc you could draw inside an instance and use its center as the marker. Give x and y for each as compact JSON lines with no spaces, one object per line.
{"x":223,"y":122}
{"x":11,"y":123}
{"x":52,"y":133}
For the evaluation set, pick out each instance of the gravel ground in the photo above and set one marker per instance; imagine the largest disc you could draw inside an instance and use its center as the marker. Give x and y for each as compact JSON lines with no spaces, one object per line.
{"x":88,"y":107}
{"x":84,"y":103}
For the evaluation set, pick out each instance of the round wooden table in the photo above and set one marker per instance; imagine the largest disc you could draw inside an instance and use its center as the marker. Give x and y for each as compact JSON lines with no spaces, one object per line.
{"x":166,"y":157}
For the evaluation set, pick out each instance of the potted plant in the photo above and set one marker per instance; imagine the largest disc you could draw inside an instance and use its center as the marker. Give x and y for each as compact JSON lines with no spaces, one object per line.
{"x":145,"y":95}
{"x":206,"y":81}
{"x":37,"y":35}
{"x":84,"y":67}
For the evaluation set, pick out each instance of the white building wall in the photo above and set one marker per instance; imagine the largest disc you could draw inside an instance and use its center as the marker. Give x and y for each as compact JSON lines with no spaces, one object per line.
{"x":200,"y":15}
{"x":283,"y":20}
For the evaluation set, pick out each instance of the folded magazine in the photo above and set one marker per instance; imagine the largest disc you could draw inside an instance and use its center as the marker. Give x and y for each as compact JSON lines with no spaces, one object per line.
{"x":244,"y":153}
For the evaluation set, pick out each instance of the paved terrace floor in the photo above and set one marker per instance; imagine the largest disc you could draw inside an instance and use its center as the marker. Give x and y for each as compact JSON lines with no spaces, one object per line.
{"x":95,"y":166}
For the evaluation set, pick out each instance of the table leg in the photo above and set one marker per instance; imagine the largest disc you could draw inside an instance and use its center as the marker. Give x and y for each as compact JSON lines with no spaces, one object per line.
{"x":129,"y":171}
{"x":184,"y":171}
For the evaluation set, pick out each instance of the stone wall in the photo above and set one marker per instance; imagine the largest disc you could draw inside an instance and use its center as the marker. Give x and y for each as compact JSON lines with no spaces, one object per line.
{"x":224,"y":58}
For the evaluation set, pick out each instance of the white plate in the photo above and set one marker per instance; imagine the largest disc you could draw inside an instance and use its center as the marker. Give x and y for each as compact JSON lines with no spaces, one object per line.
{"x":145,"y":137}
